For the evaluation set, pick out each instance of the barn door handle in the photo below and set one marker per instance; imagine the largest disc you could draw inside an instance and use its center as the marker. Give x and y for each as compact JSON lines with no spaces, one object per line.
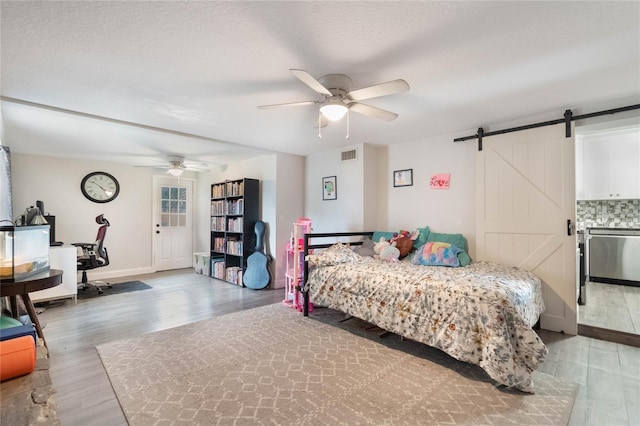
{"x":570,"y":227}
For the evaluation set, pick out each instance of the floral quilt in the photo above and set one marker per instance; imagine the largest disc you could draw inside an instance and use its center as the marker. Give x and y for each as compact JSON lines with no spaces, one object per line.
{"x":482,"y":313}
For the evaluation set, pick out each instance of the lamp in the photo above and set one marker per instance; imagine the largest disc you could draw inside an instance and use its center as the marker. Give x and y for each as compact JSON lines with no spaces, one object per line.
{"x":334,"y":110}
{"x":38,"y":219}
{"x":175,"y":171}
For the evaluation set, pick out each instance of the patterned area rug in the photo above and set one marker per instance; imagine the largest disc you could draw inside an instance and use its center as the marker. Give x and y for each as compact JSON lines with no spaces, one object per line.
{"x":270,"y":365}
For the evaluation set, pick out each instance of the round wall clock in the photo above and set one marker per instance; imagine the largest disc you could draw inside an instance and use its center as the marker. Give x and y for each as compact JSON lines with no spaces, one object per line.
{"x":100,"y":187}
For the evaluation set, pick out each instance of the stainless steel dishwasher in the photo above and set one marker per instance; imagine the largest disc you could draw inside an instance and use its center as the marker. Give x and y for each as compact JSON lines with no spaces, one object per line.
{"x":614,"y":255}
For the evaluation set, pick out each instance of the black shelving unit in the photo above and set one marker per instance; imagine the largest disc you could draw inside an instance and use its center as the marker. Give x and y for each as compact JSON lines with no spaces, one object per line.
{"x":234,"y":212}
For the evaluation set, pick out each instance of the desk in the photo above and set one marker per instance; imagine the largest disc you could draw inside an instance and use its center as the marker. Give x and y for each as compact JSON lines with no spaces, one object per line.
{"x":22,"y":288}
{"x":65,"y":259}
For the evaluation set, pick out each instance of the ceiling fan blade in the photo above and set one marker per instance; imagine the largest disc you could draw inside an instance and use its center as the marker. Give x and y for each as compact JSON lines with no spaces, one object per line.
{"x":370,"y":111}
{"x":288,"y":104}
{"x":310,"y":81}
{"x":382,"y":89}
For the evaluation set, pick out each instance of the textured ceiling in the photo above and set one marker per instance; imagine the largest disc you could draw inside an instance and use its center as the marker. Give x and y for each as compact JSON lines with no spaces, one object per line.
{"x":130,"y":81}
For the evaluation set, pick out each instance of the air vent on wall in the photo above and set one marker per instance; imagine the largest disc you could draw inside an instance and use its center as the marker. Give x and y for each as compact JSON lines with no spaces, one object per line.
{"x":349,"y":155}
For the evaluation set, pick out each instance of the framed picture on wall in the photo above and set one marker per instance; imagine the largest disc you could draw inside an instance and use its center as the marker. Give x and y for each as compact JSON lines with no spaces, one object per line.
{"x":403,"y":177}
{"x":329,"y":188}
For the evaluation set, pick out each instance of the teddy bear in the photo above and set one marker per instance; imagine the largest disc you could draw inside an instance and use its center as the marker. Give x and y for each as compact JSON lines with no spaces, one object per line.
{"x":386,"y":251}
{"x":404,"y":241}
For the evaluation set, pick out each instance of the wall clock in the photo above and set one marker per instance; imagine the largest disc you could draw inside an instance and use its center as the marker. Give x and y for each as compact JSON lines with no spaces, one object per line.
{"x":100,"y":187}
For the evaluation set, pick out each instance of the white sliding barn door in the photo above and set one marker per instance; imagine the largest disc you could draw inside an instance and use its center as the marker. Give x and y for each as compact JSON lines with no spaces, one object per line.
{"x":525,"y":195}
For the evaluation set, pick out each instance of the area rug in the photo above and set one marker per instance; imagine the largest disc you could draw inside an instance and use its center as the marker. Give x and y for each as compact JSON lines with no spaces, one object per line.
{"x":90,"y":291}
{"x":270,"y":365}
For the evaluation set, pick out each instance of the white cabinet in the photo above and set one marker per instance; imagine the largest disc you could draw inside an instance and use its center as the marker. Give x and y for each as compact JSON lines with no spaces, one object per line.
{"x":64,"y":258}
{"x":610,"y":166}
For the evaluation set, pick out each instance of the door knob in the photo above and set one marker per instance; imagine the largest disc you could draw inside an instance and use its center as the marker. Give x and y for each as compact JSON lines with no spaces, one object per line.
{"x":570,"y":227}
{"x":157,"y":232}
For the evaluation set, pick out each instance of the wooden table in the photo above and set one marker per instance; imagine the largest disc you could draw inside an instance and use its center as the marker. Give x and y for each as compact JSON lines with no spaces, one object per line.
{"x":22,"y":288}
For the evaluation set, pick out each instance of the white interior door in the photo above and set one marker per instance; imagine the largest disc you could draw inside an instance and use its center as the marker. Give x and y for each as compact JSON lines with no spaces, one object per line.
{"x":172,"y":222}
{"x":525,"y":195}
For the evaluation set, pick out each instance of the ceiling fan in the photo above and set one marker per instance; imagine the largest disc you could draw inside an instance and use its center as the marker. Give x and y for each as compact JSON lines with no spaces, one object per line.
{"x":338,"y":98}
{"x":176,"y":165}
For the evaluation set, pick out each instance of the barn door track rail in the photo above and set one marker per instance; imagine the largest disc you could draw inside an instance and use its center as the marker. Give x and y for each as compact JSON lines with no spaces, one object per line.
{"x":568,"y":118}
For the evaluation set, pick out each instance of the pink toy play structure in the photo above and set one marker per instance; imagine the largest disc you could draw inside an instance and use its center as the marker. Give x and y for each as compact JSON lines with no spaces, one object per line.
{"x":295,"y":264}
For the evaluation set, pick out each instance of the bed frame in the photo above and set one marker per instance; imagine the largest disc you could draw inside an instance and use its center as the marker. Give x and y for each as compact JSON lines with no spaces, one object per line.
{"x":343,"y":237}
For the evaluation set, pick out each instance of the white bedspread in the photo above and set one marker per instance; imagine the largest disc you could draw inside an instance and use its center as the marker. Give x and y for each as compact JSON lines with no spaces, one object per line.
{"x":482,"y":313}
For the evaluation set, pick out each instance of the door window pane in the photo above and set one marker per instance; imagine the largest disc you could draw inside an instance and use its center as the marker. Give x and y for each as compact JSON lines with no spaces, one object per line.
{"x":173,"y":206}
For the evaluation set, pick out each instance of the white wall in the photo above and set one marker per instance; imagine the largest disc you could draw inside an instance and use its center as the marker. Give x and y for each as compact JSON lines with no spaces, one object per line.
{"x":366,"y":197}
{"x":408,"y":207}
{"x":56,"y":181}
{"x":346,"y":213}
{"x":281,"y":186}
{"x":450,"y":211}
{"x":374,"y":173}
{"x":289,"y":207}
{"x":262,"y":168}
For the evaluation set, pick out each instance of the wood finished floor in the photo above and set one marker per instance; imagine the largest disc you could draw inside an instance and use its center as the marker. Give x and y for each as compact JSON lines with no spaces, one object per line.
{"x":608,"y":373}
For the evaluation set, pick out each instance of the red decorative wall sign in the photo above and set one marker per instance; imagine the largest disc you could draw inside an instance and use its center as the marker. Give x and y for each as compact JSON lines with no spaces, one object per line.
{"x":440,"y":181}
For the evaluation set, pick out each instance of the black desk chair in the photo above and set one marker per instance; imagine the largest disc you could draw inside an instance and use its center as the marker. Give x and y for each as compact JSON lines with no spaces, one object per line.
{"x":94,"y":255}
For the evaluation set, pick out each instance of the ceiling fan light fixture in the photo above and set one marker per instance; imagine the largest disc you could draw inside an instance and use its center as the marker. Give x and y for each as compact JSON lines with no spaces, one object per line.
{"x":334,"y":111}
{"x":175,"y":171}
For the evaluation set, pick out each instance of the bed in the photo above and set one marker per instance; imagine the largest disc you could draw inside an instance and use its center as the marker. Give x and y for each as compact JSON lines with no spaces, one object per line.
{"x":483,"y":313}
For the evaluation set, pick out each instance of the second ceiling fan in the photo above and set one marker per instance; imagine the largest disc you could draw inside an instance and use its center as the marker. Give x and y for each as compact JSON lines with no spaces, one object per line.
{"x":339,"y":98}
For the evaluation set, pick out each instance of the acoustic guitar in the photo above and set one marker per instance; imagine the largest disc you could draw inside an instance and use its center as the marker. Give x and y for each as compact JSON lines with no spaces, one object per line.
{"x":257,"y":274}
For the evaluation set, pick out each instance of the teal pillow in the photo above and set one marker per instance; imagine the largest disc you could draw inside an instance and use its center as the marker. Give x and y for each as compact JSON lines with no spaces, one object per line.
{"x":457,"y":240}
{"x":464,"y":258}
{"x":423,"y":237}
{"x":377,"y":234}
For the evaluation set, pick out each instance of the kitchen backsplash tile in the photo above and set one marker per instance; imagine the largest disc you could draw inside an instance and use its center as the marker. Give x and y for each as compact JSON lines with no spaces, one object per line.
{"x":608,"y":214}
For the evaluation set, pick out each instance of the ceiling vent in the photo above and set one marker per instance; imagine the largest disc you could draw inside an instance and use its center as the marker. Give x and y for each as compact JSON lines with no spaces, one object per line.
{"x":349,"y":155}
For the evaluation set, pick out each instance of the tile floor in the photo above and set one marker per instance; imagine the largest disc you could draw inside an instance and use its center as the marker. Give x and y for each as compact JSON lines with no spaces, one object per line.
{"x":607,"y":374}
{"x":611,"y":306}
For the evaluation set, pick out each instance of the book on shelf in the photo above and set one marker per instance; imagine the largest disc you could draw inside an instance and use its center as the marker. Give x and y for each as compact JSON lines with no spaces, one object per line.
{"x":234,"y":224}
{"x":217,"y":223}
{"x":219,"y":244}
{"x":235,"y":189}
{"x":217,"y":191}
{"x":217,"y":207}
{"x":234,"y":275}
{"x":218,"y":269}
{"x":234,"y":247}
{"x":235,"y":206}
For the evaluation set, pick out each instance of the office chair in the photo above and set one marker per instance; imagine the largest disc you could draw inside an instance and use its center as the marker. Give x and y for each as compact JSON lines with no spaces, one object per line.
{"x":94,"y":255}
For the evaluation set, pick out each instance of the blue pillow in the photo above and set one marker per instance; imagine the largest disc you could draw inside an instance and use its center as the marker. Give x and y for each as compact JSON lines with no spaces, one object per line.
{"x":457,"y":240}
{"x":437,"y":254}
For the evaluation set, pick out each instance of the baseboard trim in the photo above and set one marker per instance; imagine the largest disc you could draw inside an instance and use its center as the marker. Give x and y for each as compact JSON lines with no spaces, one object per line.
{"x":96,"y":274}
{"x":614,"y":336}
